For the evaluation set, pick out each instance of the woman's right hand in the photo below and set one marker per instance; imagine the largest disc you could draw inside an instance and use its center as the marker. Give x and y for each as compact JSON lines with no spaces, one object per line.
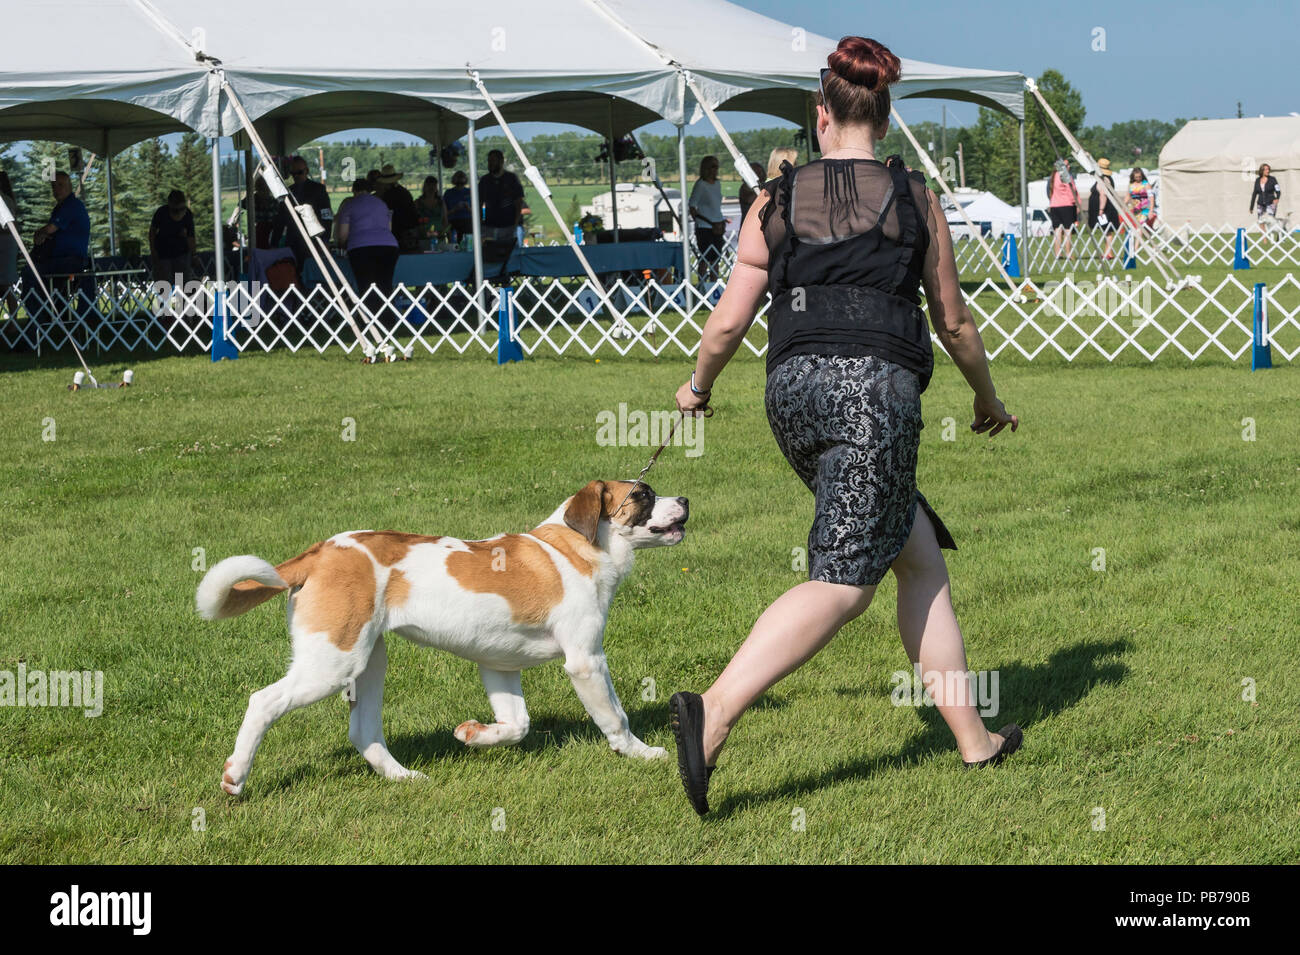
{"x":689,"y":403}
{"x":990,"y":413}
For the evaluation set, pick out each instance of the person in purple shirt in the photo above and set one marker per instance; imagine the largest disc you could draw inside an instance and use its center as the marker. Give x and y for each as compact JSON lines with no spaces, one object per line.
{"x":364,"y":228}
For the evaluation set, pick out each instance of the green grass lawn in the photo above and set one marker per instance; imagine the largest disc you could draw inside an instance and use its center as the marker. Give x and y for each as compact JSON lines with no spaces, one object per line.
{"x":1128,"y":680}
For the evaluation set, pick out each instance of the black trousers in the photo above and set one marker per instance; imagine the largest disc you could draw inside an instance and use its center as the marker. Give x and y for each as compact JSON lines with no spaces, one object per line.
{"x":373,"y":267}
{"x":710,"y":246}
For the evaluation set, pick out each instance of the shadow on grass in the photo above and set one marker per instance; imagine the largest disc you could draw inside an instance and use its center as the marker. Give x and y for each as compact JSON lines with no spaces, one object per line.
{"x":1036,"y":692}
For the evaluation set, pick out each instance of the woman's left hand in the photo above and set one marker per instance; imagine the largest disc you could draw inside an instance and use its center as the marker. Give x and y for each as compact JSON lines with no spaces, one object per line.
{"x":689,"y":403}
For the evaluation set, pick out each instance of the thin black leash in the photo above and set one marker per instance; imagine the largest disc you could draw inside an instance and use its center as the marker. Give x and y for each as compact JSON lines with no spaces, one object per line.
{"x":708,"y":413}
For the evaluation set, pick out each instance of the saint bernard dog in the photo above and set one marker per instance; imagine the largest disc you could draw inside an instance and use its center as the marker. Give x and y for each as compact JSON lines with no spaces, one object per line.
{"x":508,"y":602}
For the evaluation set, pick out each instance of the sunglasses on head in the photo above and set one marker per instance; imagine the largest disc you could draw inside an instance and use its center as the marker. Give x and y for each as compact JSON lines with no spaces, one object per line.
{"x":821,"y":81}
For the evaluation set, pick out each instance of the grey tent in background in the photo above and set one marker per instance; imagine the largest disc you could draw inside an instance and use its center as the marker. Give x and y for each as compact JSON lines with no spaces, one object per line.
{"x":1208,"y":169}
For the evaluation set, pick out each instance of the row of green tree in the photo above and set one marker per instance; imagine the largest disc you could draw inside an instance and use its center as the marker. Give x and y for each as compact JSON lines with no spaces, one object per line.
{"x":145,"y":173}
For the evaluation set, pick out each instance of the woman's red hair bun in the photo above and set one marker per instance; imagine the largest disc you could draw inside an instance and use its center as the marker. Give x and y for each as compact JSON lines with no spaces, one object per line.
{"x":865,"y":62}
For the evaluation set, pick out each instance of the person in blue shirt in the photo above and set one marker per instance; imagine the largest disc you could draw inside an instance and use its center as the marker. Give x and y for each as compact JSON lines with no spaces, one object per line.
{"x":68,"y":228}
{"x":460,"y":215}
{"x":63,"y":245}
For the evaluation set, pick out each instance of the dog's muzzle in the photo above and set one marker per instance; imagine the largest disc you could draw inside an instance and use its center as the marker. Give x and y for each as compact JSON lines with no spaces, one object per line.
{"x":672,"y":526}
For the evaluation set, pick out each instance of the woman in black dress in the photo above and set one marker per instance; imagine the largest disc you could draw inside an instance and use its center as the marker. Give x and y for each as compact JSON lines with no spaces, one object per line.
{"x":843,"y":245}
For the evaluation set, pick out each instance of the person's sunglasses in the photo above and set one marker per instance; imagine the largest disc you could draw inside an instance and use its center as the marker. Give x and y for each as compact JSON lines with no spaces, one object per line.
{"x":300,"y":172}
{"x":821,"y":81}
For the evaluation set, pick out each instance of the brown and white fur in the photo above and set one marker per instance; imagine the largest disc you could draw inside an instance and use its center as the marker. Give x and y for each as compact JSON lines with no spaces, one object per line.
{"x":508,"y":602}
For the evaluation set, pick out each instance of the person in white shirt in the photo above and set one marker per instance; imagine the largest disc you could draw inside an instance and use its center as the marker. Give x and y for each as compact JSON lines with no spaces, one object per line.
{"x":706,"y":211}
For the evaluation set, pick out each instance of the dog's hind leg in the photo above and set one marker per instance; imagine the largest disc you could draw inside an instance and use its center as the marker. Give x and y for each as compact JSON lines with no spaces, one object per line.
{"x":365,"y":728}
{"x":301,"y":686}
{"x":506,"y":694}
{"x":319,"y":669}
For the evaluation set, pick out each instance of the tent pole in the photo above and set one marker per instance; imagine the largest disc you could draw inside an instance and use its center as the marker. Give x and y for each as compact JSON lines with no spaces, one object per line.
{"x":476,"y":220}
{"x":613,"y":171}
{"x":250,"y":203}
{"x":742,"y":164}
{"x":808,"y":126}
{"x":219,"y":256}
{"x":1024,"y":206}
{"x":112,"y":219}
{"x":335,"y":280}
{"x":935,"y":174}
{"x":1089,"y":164}
{"x":683,"y":219}
{"x":539,"y":182}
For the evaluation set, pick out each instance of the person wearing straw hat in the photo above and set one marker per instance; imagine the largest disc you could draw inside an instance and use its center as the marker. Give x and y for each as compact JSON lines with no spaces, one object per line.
{"x":843,"y":245}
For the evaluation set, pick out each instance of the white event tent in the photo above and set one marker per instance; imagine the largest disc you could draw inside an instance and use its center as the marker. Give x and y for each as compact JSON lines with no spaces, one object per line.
{"x":112,"y":73}
{"x":1208,"y":169}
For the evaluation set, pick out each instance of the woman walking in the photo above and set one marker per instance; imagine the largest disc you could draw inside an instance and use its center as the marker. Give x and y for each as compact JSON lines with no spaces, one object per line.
{"x":843,"y":245}
{"x":1264,"y":197}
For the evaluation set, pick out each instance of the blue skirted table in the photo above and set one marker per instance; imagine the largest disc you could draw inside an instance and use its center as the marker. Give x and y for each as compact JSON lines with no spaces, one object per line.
{"x":557,"y":261}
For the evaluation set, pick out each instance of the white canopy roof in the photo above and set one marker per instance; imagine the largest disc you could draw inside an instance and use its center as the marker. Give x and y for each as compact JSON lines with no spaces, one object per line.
{"x":1207,"y":169}
{"x":104,"y":75}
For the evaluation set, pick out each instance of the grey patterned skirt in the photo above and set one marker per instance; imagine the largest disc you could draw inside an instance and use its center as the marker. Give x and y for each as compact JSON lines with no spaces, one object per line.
{"x":850,"y":428}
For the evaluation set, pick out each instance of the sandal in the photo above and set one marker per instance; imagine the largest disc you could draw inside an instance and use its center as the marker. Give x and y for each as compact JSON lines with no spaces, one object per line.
{"x":687,"y":710}
{"x":1012,"y":737}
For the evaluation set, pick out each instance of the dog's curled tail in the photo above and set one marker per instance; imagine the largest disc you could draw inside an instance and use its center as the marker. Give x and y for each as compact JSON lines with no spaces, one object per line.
{"x":236,"y":585}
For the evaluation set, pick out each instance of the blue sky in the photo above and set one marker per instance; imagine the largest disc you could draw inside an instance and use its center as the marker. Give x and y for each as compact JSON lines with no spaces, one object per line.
{"x":1162,"y":59}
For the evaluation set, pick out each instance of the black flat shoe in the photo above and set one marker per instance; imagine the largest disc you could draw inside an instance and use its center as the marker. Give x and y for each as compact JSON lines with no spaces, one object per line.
{"x":687,"y":710}
{"x":1012,"y":737}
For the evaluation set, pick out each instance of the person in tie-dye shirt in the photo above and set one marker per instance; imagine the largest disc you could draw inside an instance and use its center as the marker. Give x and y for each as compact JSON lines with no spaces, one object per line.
{"x":1140,"y":207}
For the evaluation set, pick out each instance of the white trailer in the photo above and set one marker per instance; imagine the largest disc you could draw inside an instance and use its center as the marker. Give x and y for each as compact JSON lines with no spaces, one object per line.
{"x":640,"y":206}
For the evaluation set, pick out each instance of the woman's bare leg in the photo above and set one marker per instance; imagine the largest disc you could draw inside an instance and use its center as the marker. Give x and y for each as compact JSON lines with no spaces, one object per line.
{"x":787,"y":635}
{"x":931,"y":637}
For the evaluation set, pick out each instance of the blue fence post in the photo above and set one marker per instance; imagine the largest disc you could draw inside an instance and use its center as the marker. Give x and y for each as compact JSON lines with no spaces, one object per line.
{"x":222,"y":347}
{"x":507,"y":346}
{"x":1261,"y":355}
{"x":1130,"y":256}
{"x":1010,"y":257}
{"x":1240,"y":256}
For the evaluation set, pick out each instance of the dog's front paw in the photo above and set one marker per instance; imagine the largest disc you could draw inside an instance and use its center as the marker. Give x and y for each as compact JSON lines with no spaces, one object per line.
{"x":228,"y":782}
{"x":409,"y":775}
{"x":638,"y":750}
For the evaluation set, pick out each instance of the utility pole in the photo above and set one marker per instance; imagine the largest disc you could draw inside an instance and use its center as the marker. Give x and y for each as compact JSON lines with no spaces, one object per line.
{"x":943,"y":136}
{"x":1239,"y":109}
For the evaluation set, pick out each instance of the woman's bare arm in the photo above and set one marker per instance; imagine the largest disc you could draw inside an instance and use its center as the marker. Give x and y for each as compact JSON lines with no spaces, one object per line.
{"x":735,"y":311}
{"x":954,"y":326}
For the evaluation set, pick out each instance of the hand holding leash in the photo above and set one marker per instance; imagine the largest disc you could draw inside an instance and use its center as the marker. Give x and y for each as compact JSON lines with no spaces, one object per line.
{"x":694,"y":401}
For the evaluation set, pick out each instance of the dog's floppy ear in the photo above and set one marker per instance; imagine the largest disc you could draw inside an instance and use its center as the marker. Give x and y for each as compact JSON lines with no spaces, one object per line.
{"x":586,"y":509}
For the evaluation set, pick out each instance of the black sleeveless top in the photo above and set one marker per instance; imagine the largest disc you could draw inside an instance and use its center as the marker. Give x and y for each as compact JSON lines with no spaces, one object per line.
{"x":845,"y":261}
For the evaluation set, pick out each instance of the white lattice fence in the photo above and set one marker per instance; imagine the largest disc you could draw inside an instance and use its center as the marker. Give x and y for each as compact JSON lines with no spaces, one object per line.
{"x":1112,"y":318}
{"x":1092,"y":249}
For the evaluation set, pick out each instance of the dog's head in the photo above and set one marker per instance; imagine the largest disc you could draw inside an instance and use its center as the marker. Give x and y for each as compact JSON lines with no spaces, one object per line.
{"x":640,"y":517}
